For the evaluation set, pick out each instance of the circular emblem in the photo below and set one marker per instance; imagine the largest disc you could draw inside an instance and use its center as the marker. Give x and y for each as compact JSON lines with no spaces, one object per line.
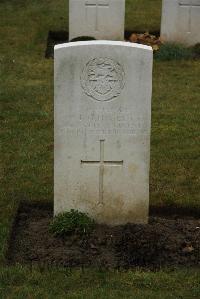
{"x":102,"y":79}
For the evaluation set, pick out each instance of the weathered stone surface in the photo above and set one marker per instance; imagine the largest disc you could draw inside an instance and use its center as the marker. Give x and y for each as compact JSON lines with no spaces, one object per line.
{"x":102,"y":130}
{"x":101,"y":19}
{"x":181,"y":21}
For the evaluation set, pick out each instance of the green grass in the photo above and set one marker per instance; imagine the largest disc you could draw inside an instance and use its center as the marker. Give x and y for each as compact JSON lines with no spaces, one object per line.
{"x":21,"y":282}
{"x":172,"y":51}
{"x":143,"y":15}
{"x":26,"y":93}
{"x":175,"y":134}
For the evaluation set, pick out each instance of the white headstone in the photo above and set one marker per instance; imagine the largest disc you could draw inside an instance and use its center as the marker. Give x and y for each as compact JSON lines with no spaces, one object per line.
{"x":181,"y":21}
{"x":102,"y":130}
{"x":101,"y":19}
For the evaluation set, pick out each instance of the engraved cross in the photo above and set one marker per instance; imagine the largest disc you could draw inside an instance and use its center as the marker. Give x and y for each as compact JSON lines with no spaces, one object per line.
{"x":97,"y":4}
{"x":102,"y":163}
{"x":190,"y":4}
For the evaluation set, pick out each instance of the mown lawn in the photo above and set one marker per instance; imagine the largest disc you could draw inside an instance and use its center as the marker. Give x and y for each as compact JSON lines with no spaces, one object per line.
{"x":21,"y":282}
{"x":26,"y":92}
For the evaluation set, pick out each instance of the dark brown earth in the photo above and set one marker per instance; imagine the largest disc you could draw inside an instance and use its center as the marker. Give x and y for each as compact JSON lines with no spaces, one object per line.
{"x":166,"y":241}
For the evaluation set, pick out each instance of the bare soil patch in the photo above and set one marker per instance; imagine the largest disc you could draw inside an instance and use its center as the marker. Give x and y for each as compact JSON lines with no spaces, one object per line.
{"x":166,"y":241}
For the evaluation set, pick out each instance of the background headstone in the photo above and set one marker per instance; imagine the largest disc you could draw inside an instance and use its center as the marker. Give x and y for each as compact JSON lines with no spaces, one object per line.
{"x":101,"y":19}
{"x":181,"y":21}
{"x":102,"y":130}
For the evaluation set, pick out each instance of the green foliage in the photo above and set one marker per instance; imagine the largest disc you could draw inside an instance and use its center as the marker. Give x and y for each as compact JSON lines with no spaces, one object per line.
{"x":71,"y":222}
{"x":172,"y":51}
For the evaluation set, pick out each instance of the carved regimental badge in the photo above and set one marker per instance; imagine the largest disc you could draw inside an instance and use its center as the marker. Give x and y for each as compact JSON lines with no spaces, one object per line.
{"x":102,"y":79}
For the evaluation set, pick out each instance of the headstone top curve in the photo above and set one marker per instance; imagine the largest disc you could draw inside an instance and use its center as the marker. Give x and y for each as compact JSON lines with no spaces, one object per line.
{"x":103,"y":43}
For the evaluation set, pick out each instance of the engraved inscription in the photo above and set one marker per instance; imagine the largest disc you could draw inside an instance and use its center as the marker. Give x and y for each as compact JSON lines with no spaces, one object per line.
{"x":102,"y":79}
{"x":102,"y":163}
{"x":109,"y":122}
{"x":189,"y":5}
{"x":97,"y":5}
